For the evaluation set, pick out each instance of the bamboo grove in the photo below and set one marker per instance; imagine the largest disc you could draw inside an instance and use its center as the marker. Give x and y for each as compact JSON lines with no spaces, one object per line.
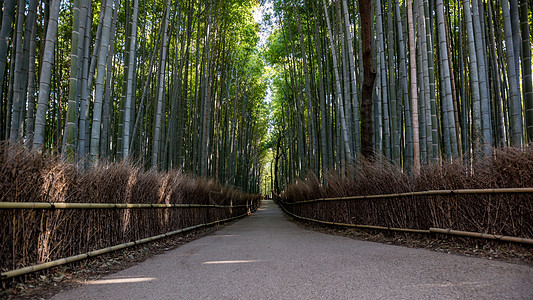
{"x":166,"y":84}
{"x":452,"y":80}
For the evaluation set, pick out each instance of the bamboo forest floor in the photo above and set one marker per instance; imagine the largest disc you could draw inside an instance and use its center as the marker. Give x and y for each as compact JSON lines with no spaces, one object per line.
{"x":266,"y":256}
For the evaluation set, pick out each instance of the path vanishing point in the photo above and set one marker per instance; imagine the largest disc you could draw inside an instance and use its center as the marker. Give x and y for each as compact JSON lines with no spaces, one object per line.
{"x":265,"y":256}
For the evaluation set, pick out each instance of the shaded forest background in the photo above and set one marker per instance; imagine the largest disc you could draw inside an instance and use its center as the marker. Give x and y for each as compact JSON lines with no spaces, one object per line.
{"x":452,"y":81}
{"x":187,"y":85}
{"x":164,"y":84}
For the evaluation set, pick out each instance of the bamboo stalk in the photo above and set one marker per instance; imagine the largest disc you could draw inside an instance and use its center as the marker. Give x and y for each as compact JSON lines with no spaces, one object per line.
{"x":63,"y":205}
{"x":423,"y":193}
{"x":62,"y":261}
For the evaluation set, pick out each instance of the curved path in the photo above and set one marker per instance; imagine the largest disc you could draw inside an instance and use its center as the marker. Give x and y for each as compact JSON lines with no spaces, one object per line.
{"x":265,"y":256}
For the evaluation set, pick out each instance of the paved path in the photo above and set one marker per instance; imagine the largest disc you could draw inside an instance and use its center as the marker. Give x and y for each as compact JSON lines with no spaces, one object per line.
{"x":265,"y":256}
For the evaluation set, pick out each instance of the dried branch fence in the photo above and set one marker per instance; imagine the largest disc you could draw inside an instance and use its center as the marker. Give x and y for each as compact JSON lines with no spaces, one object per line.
{"x":70,"y":259}
{"x":492,"y":198}
{"x":425,"y":211}
{"x":76,"y":213}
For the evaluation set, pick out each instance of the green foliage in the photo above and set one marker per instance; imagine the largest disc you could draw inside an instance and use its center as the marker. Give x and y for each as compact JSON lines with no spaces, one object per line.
{"x":212,"y":45}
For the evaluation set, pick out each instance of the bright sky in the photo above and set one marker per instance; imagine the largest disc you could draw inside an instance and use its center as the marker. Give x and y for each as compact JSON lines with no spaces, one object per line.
{"x":265,"y":28}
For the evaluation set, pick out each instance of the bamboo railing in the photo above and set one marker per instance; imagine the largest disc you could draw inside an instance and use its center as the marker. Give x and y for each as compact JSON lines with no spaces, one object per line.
{"x":64,"y":205}
{"x":423,"y":193}
{"x":58,"y":262}
{"x":513,"y":239}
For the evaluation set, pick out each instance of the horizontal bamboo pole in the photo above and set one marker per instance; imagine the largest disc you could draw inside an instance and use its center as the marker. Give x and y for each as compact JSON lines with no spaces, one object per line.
{"x":423,"y":193}
{"x":356,"y":225}
{"x":431,"y":230}
{"x":62,"y":261}
{"x":63,"y":205}
{"x":483,"y":235}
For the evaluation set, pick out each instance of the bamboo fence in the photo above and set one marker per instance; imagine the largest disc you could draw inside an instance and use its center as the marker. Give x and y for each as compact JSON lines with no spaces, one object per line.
{"x":324,"y":212}
{"x":70,"y":259}
{"x":422,"y":193}
{"x":63,"y":205}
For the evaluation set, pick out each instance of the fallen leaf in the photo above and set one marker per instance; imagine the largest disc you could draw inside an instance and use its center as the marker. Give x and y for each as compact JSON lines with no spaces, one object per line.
{"x":59,"y":278}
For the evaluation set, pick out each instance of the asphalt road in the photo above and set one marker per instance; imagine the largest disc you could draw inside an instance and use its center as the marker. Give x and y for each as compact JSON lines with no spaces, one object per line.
{"x":265,"y":256}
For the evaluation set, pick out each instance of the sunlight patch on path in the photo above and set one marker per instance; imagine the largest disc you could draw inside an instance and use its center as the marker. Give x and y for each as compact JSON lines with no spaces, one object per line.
{"x":229,"y":262}
{"x":120,"y":280}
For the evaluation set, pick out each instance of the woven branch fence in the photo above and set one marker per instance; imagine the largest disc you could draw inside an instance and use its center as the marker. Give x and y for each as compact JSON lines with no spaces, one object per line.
{"x":92,"y":253}
{"x":436,"y":211}
{"x":50,"y":210}
{"x":493,"y":196}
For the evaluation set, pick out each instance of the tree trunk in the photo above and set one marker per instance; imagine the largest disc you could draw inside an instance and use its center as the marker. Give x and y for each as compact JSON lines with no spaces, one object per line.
{"x":414,"y":96}
{"x":30,"y":128}
{"x":426,"y":137}
{"x":69,"y":139}
{"x":527,"y":77}
{"x":515,"y":106}
{"x":84,"y":97}
{"x":496,"y":78}
{"x":130,"y":94}
{"x":486,"y":122}
{"x":445,"y":77}
{"x":108,"y":89}
{"x":45,"y":76}
{"x":5,"y":32}
{"x":312,"y":134}
{"x":17,"y":82}
{"x":383,"y":105}
{"x":158,"y":120}
{"x":353,"y":78}
{"x":99,"y":82}
{"x":322,"y":104}
{"x":474,"y":79}
{"x":408,"y":152}
{"x":367,"y":147}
